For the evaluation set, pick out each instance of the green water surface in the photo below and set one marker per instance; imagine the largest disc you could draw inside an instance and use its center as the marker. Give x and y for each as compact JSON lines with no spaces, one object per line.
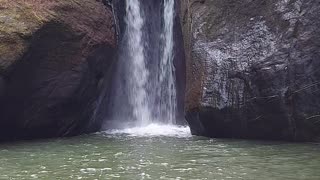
{"x":102,"y":156}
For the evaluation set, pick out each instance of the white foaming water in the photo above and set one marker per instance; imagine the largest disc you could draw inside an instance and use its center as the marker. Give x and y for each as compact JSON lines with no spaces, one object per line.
{"x":138,"y":73}
{"x":154,"y":130}
{"x":167,"y":71}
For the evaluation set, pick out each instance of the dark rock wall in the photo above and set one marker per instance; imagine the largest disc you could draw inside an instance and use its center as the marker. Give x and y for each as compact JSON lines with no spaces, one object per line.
{"x":253,"y":68}
{"x":180,"y":64}
{"x":52,"y":89}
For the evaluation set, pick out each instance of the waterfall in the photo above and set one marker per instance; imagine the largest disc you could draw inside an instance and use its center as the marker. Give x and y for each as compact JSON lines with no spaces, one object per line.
{"x":167,"y":75}
{"x":145,"y":89}
{"x":138,"y":73}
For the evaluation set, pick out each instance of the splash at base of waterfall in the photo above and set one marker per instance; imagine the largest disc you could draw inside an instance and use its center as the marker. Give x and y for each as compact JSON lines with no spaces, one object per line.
{"x":154,"y":130}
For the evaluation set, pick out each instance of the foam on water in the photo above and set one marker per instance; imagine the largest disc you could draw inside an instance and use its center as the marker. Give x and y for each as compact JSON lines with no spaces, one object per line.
{"x":153,"y":130}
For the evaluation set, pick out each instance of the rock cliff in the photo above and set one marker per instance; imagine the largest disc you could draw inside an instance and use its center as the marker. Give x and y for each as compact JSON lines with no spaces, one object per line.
{"x":53,"y":57}
{"x":253,"y":68}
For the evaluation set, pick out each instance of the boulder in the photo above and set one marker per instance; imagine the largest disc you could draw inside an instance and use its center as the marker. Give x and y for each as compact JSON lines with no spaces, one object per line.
{"x":53,"y":57}
{"x":252,"y":68}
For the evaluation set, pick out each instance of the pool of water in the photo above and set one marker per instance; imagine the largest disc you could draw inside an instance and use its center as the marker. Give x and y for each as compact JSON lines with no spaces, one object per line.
{"x":157,"y":152}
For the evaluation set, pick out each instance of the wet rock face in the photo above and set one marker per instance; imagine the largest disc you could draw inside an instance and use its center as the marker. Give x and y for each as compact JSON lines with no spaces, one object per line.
{"x":54,"y":56}
{"x":180,"y":65}
{"x":2,"y":86}
{"x":253,"y":68}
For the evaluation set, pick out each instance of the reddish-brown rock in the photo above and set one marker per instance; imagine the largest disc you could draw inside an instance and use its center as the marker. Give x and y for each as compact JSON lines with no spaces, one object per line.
{"x":53,"y":57}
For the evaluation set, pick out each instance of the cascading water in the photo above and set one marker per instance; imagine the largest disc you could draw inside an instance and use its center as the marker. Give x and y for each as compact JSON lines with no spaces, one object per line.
{"x":145,"y":88}
{"x":138,"y":73}
{"x":168,"y":104}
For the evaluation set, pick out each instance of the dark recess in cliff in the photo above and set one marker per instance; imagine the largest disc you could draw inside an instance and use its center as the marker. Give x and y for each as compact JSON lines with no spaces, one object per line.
{"x":152,"y":10}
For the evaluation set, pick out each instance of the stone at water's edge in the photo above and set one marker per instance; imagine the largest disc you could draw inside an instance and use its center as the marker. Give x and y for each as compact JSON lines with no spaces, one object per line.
{"x":53,"y":57}
{"x":253,"y":68}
